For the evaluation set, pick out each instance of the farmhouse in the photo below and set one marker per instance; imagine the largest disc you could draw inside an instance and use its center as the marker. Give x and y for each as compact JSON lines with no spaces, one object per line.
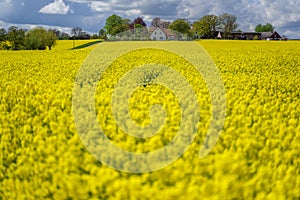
{"x":162,"y":34}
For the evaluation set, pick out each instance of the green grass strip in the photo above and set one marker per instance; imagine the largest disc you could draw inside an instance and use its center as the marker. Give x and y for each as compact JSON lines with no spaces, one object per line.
{"x":87,"y":44}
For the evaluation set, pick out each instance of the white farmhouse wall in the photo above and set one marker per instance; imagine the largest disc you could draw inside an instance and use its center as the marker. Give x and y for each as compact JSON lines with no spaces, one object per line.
{"x":158,"y":34}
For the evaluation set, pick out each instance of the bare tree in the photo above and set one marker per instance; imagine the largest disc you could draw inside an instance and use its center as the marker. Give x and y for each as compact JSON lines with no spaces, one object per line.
{"x":77,"y":31}
{"x":156,"y":22}
{"x":227,"y":23}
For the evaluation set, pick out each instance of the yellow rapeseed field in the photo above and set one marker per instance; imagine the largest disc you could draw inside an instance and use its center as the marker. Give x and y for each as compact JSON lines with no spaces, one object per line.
{"x":256,"y":156}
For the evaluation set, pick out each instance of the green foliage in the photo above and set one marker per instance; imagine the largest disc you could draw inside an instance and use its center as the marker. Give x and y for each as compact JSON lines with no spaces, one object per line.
{"x":4,"y":45}
{"x":180,"y":25}
{"x":16,"y":37}
{"x":255,"y":37}
{"x":115,"y":24}
{"x":264,"y":28}
{"x":87,"y":44}
{"x":95,"y":36}
{"x":138,"y":26}
{"x":51,"y":39}
{"x":206,"y":25}
{"x":39,"y":38}
{"x":102,"y":34}
{"x":3,"y":36}
{"x":19,"y":39}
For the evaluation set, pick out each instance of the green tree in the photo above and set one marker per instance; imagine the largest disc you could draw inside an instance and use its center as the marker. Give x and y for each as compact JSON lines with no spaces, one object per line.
{"x":206,"y":25}
{"x":227,"y":23}
{"x":115,"y":24}
{"x":50,"y":39}
{"x":102,"y":34}
{"x":95,"y":36}
{"x":39,"y":38}
{"x":3,"y":36}
{"x":16,"y":37}
{"x":180,"y":25}
{"x":264,"y":28}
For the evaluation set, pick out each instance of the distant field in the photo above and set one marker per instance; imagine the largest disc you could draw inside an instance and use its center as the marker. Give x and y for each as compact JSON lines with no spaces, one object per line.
{"x":256,"y":157}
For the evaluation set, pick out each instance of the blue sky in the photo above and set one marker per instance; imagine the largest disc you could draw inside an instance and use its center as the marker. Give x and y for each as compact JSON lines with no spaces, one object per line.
{"x":91,"y":14}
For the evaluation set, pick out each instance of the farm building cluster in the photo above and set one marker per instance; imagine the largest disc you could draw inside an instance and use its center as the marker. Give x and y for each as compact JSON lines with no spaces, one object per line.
{"x":160,"y":34}
{"x":242,"y":36}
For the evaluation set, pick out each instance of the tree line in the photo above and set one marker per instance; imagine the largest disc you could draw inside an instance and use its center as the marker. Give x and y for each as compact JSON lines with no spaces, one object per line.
{"x":21,"y":39}
{"x":116,"y":24}
{"x":205,"y":26}
{"x":39,"y":38}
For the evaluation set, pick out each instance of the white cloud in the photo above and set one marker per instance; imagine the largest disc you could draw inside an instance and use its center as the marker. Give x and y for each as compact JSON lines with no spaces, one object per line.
{"x":127,"y":7}
{"x":57,"y":7}
{"x":100,"y":6}
{"x":90,"y":20}
{"x":6,"y":8}
{"x":6,"y":1}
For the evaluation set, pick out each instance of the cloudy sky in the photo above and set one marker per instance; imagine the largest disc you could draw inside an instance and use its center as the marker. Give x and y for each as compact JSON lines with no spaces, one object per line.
{"x":91,"y":14}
